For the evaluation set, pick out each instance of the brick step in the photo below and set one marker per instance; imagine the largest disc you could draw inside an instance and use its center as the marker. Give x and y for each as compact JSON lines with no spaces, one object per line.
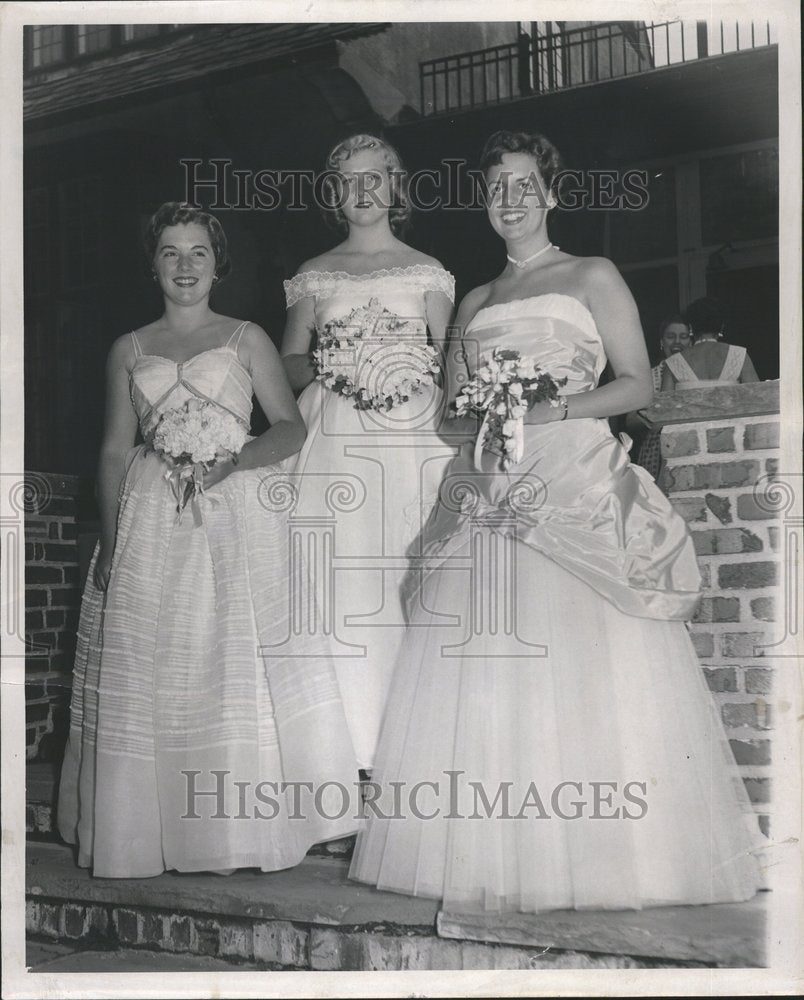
{"x":313,"y":917}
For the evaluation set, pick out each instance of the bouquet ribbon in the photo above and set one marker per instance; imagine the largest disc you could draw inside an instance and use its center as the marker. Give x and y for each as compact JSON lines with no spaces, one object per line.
{"x":515,"y":454}
{"x":189,"y":478}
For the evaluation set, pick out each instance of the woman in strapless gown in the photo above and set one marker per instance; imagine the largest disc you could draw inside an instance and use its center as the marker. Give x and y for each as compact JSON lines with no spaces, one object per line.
{"x":554,"y":745}
{"x":183,"y":725}
{"x":365,"y":480}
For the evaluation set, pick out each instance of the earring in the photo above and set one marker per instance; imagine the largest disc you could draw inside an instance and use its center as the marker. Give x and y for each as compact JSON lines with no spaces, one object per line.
{"x":214,"y":278}
{"x":154,"y":276}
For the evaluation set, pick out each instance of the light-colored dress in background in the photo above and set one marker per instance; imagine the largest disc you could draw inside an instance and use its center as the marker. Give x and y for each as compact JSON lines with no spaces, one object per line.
{"x":729,"y":374}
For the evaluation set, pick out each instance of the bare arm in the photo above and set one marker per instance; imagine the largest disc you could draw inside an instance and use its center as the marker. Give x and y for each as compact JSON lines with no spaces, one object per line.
{"x":669,"y":380}
{"x":119,"y":434}
{"x":287,"y":432}
{"x":617,"y":321}
{"x":297,"y":342}
{"x":462,"y":357}
{"x":438,"y":310}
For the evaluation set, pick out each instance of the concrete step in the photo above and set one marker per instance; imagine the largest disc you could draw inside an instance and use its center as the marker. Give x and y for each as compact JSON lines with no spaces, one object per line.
{"x":62,"y":958}
{"x":314,"y":917}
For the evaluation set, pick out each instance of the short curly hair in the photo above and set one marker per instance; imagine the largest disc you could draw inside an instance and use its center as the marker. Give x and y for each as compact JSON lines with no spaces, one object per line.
{"x":180,"y":213}
{"x":400,"y":210}
{"x":547,"y":157}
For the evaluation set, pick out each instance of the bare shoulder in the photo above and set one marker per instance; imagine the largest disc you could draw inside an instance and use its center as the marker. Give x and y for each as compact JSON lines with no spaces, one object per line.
{"x":597,"y":273}
{"x":121,"y":353}
{"x":472,"y":302}
{"x":254,"y":338}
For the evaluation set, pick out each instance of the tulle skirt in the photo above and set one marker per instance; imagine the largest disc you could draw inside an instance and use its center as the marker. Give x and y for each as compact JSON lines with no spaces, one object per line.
{"x":542,"y":747}
{"x":187,"y":731}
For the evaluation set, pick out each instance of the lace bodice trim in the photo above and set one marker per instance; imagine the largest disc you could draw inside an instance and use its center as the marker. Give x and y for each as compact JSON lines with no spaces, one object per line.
{"x":324,"y":284}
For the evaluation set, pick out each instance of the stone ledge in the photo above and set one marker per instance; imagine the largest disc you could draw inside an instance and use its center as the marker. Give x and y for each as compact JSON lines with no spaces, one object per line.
{"x":725,"y":402}
{"x":317,"y":891}
{"x":726,"y":934}
{"x":312,"y":916}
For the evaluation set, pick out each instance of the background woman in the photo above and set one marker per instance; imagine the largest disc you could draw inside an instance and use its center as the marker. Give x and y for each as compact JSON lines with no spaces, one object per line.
{"x":390,"y":463}
{"x":674,"y":337}
{"x":173,"y":678}
{"x":578,"y":756}
{"x":709,"y":361}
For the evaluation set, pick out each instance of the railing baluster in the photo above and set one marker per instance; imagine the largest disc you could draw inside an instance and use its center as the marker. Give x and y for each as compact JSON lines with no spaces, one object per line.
{"x":545,"y":63}
{"x":611,"y":56}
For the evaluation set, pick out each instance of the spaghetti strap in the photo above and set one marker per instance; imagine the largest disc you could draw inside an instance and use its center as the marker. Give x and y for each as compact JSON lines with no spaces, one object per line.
{"x":236,"y":335}
{"x":136,"y":343}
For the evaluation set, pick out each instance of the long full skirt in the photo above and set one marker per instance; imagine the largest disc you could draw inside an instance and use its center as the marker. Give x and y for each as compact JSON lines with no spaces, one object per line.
{"x":191,"y":739}
{"x":553,"y":743}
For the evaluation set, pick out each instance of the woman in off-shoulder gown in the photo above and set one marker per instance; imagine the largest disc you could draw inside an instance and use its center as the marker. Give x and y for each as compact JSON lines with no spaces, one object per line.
{"x":554,"y":745}
{"x":187,"y":733}
{"x":365,"y":480}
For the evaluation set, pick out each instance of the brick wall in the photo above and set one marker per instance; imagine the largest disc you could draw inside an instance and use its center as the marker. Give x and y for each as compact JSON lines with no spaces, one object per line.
{"x":713,"y":477}
{"x":52,"y":601}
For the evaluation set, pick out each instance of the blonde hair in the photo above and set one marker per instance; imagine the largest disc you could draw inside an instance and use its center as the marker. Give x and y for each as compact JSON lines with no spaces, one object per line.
{"x":399,"y":211}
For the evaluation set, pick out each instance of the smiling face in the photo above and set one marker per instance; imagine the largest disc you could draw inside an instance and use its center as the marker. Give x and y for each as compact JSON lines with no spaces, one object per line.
{"x":518,"y":200}
{"x":367,"y":194}
{"x":675,"y":338}
{"x":185,"y":263}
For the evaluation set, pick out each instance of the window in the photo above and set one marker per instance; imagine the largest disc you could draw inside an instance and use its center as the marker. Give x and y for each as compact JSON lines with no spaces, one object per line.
{"x":136,"y":32}
{"x":93,"y":38}
{"x":740,"y":196}
{"x":48,"y":45}
{"x":53,"y":45}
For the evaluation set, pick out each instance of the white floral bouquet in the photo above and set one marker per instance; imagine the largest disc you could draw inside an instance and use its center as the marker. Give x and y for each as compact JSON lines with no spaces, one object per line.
{"x":501,"y":391}
{"x":191,"y":438}
{"x":374,"y":357}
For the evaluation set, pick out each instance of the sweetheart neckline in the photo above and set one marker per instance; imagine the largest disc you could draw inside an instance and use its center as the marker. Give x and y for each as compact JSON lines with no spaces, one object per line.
{"x":178,"y":364}
{"x":529,"y":298}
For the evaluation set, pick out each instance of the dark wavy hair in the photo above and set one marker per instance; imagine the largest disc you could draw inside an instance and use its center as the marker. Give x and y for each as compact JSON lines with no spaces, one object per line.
{"x":547,"y":157}
{"x":704,"y":316}
{"x":179,"y":213}
{"x":400,"y":210}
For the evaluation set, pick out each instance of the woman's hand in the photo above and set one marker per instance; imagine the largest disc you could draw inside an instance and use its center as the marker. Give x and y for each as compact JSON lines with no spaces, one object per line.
{"x":218,"y":472}
{"x":544,"y":413}
{"x":103,"y":568}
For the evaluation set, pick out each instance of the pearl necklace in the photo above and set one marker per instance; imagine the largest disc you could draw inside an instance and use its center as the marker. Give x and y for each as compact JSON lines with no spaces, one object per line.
{"x":527,"y":260}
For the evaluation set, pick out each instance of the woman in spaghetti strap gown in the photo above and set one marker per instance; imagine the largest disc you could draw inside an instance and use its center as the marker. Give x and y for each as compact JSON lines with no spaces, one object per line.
{"x":183,"y":727}
{"x":709,"y":361}
{"x":369,"y":477}
{"x":556,"y":746}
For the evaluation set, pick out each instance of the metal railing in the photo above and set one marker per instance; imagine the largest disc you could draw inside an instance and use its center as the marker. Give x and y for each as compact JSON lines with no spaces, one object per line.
{"x":591,"y":54}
